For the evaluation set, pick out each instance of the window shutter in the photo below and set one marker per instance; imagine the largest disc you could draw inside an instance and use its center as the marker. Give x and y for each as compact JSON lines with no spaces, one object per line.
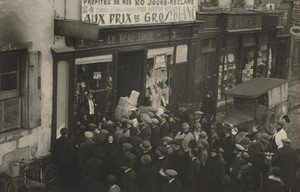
{"x":34,"y":90}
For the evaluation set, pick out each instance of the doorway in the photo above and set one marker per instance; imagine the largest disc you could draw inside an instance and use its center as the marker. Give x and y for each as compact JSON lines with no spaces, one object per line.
{"x":131,"y":74}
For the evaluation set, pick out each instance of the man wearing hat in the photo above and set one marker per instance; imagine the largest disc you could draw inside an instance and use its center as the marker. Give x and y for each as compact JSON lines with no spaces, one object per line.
{"x":286,"y":158}
{"x":161,"y":161}
{"x":155,"y":134}
{"x":128,"y":181}
{"x":64,"y":157}
{"x":148,"y":175}
{"x":145,"y":148}
{"x":83,"y":151}
{"x":185,"y":136}
{"x":126,"y":148}
{"x":170,"y":183}
{"x":164,"y":125}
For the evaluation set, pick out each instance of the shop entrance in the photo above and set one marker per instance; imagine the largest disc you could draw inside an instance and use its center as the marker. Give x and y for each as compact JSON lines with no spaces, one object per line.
{"x":130,"y":74}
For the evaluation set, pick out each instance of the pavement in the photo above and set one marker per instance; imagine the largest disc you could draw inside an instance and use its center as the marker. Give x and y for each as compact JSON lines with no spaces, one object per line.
{"x":293,"y":128}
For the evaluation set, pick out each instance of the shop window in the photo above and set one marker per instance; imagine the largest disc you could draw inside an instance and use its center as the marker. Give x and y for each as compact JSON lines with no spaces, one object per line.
{"x":248,"y":63}
{"x":19,"y":76}
{"x":95,"y":79}
{"x":227,"y":77}
{"x":158,"y":81}
{"x":181,"y":53}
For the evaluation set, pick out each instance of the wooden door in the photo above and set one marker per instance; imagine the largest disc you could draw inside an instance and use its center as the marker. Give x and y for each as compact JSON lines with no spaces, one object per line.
{"x":179,"y":83}
{"x":130,"y":74}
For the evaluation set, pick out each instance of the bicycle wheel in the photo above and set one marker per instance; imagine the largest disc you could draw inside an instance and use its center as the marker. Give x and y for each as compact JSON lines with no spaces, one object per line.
{"x":15,"y":185}
{"x":4,"y":178}
{"x":50,"y":177}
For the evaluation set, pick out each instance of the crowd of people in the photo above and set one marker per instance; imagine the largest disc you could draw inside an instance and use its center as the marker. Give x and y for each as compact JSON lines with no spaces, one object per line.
{"x":173,"y":151}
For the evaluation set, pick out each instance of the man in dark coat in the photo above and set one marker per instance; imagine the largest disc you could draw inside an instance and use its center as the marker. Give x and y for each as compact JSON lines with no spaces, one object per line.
{"x":63,"y":154}
{"x":147,"y":175}
{"x":273,"y":183}
{"x":128,"y":182}
{"x":164,"y":126}
{"x":155,"y":134}
{"x":170,"y":183}
{"x":208,"y":105}
{"x":286,"y":159}
{"x":83,"y":154}
{"x":193,"y":171}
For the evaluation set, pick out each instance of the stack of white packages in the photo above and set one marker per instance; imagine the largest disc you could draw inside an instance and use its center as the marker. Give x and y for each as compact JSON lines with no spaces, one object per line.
{"x":126,"y":104}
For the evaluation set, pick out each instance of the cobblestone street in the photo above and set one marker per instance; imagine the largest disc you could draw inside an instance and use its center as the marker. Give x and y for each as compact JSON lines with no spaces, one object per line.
{"x":293,"y":130}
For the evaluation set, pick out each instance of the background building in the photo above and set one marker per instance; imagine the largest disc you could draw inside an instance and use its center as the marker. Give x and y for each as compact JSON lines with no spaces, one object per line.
{"x":26,"y":35}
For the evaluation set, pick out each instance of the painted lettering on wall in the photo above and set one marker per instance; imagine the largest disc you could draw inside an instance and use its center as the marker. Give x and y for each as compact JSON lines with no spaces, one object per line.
{"x":126,"y":12}
{"x":130,"y":38}
{"x":241,"y":22}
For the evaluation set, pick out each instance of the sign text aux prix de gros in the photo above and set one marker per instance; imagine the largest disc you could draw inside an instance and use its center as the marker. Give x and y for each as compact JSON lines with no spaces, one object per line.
{"x":127,"y":12}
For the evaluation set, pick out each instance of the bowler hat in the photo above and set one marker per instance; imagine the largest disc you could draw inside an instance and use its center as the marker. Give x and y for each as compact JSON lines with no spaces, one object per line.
{"x":127,"y":146}
{"x":162,"y":151}
{"x":145,"y":146}
{"x":146,"y":159}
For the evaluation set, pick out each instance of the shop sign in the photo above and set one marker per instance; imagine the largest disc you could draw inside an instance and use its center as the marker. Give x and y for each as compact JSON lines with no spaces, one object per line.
{"x":97,"y":75}
{"x":76,"y":29}
{"x":160,"y":61}
{"x":243,"y":22}
{"x":128,"y":12}
{"x":296,"y":13}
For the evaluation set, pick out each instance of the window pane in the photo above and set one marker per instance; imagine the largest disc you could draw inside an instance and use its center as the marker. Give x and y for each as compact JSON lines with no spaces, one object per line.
{"x":9,"y":82}
{"x":8,"y":63}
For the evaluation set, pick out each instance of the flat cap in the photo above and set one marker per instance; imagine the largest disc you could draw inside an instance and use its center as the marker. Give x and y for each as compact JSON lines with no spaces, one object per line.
{"x":167,"y":139}
{"x":88,"y":135}
{"x":171,"y":172}
{"x":198,"y":113}
{"x":127,"y":146}
{"x":185,"y":125}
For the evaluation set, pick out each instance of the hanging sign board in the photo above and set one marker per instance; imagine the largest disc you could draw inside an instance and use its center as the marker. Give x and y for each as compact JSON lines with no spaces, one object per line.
{"x":76,"y":29}
{"x":97,"y":75}
{"x":296,"y":13}
{"x":128,"y":12}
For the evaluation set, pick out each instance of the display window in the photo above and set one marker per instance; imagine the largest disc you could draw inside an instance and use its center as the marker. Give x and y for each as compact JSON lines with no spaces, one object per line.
{"x":93,"y":91}
{"x":158,"y":77}
{"x":248,"y":63}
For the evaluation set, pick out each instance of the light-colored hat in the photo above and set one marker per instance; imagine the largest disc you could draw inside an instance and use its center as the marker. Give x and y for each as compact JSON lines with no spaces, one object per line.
{"x":185,"y":125}
{"x":198,"y":113}
{"x":167,"y":139}
{"x":203,"y":135}
{"x":154,"y":121}
{"x":171,"y":172}
{"x":198,"y":125}
{"x":88,"y":135}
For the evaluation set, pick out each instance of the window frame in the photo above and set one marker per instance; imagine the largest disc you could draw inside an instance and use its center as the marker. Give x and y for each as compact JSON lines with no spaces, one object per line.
{"x":14,"y":92}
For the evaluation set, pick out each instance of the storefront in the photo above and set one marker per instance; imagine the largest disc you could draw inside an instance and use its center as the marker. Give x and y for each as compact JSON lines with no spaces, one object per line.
{"x":147,"y":64}
{"x":241,"y":55}
{"x":207,"y":68}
